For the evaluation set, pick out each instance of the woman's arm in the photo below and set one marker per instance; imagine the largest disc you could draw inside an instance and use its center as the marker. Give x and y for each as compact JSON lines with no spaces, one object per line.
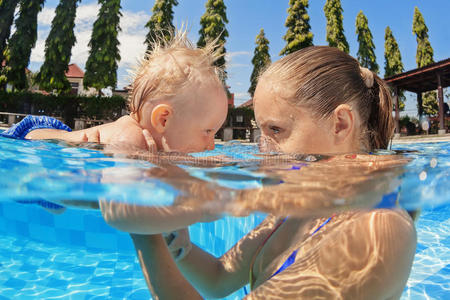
{"x":212,"y":277}
{"x":160,"y":271}
{"x":219,"y":277}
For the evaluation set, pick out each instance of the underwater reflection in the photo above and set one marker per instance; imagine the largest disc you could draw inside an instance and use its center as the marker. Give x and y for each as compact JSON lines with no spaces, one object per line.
{"x":295,"y":185}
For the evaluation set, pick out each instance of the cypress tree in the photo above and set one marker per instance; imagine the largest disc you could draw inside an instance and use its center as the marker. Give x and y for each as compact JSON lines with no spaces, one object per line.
{"x":424,"y":53}
{"x":366,"y":52}
{"x":17,"y":55}
{"x":161,"y":21}
{"x":335,"y":28}
{"x":101,"y":66}
{"x":298,"y":35}
{"x":58,"y":48}
{"x":393,"y":61}
{"x":213,"y":27}
{"x":7,"y":8}
{"x":260,"y":60}
{"x":424,"y":57}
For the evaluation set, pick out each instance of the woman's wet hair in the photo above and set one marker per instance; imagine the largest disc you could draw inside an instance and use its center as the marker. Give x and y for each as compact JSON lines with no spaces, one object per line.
{"x":172,"y":65}
{"x":321,"y":78}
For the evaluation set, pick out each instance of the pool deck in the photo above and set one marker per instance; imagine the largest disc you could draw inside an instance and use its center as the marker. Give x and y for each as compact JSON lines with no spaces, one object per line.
{"x":430,"y":138}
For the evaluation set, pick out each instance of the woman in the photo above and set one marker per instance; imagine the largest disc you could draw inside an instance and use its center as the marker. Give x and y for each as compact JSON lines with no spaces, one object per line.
{"x":316,"y":100}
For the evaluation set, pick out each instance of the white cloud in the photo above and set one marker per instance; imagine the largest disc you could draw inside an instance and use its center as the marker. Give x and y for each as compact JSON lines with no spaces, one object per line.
{"x":233,"y":65}
{"x":230,"y":55}
{"x":45,"y":17}
{"x":242,"y":95}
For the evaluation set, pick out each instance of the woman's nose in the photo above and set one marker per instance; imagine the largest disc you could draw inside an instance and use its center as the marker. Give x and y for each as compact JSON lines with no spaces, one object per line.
{"x":266,"y":144}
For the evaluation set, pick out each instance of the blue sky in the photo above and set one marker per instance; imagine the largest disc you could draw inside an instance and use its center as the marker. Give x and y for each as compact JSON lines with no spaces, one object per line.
{"x":247,"y":17}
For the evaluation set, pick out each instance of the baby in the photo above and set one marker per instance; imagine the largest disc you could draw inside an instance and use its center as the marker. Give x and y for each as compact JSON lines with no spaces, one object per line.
{"x":177,"y":97}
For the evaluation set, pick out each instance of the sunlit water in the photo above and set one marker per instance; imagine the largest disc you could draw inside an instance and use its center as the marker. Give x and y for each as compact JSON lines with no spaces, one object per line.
{"x":76,"y":254}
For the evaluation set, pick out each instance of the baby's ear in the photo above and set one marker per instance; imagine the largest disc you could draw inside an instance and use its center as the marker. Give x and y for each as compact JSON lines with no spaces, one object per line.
{"x":161,"y":115}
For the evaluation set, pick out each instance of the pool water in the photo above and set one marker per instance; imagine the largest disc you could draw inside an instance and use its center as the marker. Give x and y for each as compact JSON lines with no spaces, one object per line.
{"x":76,"y":255}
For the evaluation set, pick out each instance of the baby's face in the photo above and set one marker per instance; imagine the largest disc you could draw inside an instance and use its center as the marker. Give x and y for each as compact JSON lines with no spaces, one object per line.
{"x":199,"y":112}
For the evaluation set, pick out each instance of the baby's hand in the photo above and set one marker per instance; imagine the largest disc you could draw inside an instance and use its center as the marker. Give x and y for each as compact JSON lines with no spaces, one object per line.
{"x":179,"y":243}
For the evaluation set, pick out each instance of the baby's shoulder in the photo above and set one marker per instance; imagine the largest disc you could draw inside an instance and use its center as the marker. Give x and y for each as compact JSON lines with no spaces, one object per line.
{"x":129,"y":133}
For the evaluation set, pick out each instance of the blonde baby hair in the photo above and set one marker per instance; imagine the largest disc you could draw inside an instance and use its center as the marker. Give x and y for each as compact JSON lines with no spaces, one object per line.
{"x":172,"y":65}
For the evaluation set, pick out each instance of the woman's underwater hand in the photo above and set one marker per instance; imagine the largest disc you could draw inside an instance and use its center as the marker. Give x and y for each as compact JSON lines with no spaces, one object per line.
{"x":179,"y":243}
{"x":151,"y":145}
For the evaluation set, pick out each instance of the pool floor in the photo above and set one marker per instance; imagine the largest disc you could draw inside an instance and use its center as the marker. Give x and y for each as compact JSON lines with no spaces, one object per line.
{"x":30,"y":269}
{"x":35,"y":270}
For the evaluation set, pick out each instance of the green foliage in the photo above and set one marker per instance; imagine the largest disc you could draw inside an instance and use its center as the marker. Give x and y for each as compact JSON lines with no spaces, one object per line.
{"x":86,"y":107}
{"x":58,"y":49}
{"x":335,"y":28}
{"x":392,"y":58}
{"x":7,"y":8}
{"x":101,"y":66}
{"x":366,"y":52}
{"x":424,"y":54}
{"x":213,"y":27}
{"x":430,"y":104}
{"x":22,"y":41}
{"x":424,"y":57}
{"x":393,"y":62}
{"x":160,"y":21}
{"x":260,"y":60}
{"x":298,"y":35}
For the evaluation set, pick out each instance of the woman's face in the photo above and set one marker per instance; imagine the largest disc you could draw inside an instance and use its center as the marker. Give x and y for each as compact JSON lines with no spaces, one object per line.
{"x":288,"y":128}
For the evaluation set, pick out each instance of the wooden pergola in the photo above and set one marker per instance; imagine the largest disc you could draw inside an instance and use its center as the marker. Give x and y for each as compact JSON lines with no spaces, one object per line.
{"x":432,"y":77}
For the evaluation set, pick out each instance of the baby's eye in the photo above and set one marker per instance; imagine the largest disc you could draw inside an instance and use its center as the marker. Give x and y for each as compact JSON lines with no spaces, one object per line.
{"x":208,"y":131}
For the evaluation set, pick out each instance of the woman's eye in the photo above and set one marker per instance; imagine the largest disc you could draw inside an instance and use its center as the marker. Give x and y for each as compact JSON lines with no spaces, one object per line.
{"x":275,"y":129}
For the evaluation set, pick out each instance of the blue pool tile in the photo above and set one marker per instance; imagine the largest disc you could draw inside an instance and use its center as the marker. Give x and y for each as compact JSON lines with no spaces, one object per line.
{"x":101,"y":280}
{"x":80,"y":270}
{"x":14,"y":283}
{"x":139,"y":294}
{"x":104,"y":241}
{"x":22,"y":228}
{"x":124,"y":242}
{"x":16,"y":212}
{"x":2,"y":225}
{"x":57,"y":283}
{"x":95,"y":223}
{"x":107,"y":264}
{"x":28,"y":268}
{"x":118,"y":292}
{"x":42,"y":217}
{"x":420,"y":247}
{"x":63,"y":236}
{"x":71,"y":219}
{"x":77,"y":238}
{"x":43,"y":233}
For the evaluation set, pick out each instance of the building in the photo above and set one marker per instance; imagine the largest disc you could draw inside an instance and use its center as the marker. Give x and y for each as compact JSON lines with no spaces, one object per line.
{"x":75,"y":76}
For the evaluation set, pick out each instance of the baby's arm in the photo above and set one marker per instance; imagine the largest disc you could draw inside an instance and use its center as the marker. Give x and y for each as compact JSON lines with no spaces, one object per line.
{"x":57,"y":134}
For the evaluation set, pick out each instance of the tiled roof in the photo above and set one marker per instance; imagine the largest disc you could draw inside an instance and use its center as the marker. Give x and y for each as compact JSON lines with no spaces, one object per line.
{"x":248,"y":103}
{"x":74,"y":72}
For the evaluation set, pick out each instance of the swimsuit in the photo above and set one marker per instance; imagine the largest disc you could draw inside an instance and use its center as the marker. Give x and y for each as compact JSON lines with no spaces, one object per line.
{"x":289,"y":261}
{"x":29,"y":123}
